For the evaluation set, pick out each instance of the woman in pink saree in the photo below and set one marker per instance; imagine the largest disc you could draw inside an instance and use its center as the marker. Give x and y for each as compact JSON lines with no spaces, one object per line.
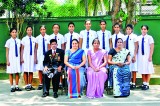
{"x":96,"y":72}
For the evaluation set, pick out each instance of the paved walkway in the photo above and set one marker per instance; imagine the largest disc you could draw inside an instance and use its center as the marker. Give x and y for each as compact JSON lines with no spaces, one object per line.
{"x":33,"y":98}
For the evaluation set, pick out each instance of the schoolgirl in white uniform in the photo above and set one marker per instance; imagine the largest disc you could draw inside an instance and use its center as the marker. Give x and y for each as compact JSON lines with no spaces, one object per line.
{"x":42,"y":44}
{"x":56,"y":35}
{"x":13,"y":58}
{"x":131,"y":44}
{"x":145,"y":52}
{"x":28,"y":57}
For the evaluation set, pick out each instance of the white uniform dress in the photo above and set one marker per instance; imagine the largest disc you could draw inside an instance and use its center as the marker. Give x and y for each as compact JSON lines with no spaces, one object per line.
{"x":60,"y":39}
{"x":40,"y":56}
{"x":107,"y":35}
{"x":14,"y":61}
{"x":119,"y":35}
{"x":28,"y":65}
{"x":131,"y":47}
{"x":144,"y":66}
{"x":92,"y":36}
{"x":67,"y":38}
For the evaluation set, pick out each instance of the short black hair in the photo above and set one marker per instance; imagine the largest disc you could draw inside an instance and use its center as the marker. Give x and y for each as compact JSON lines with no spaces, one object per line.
{"x":71,"y":23}
{"x":119,"y":39}
{"x":116,"y":24}
{"x":56,"y":24}
{"x":95,"y":40}
{"x":53,"y":40}
{"x":12,"y":29}
{"x":42,"y":26}
{"x":146,"y":26}
{"x":130,"y":26}
{"x":29,"y":27}
{"x":103,"y":21}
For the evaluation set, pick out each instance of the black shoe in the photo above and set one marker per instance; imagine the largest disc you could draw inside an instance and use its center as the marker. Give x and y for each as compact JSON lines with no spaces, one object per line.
{"x":133,"y":87}
{"x":55,"y":95}
{"x":27,"y":88}
{"x":145,"y":87}
{"x":40,"y":87}
{"x":45,"y":94}
{"x":18,"y":89}
{"x":12,"y":89}
{"x":31,"y":88}
{"x":60,"y":85}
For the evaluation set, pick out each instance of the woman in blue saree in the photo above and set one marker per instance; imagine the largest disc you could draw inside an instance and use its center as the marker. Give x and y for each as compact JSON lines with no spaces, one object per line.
{"x":75,"y":60}
{"x":119,"y":72}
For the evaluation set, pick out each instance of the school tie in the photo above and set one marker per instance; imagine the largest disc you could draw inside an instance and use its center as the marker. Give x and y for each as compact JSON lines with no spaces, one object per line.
{"x":70,"y":41}
{"x":30,"y":46}
{"x":143,"y":46}
{"x":56,"y":37}
{"x":127,"y":43}
{"x":43,"y":46}
{"x":87,"y":46}
{"x":103,"y":40}
{"x":16,"y":49}
{"x":115,"y":44}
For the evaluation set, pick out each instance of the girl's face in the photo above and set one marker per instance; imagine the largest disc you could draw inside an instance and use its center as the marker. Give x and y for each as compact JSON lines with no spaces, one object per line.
{"x":75,"y":45}
{"x":43,"y":30}
{"x":71,"y":28}
{"x":13,"y":34}
{"x":144,"y":30}
{"x":55,"y":28}
{"x":103,"y":25}
{"x":128,"y":30}
{"x":119,"y":43}
{"x":88,"y":25}
{"x":29,"y":31}
{"x":116,"y":28}
{"x":96,"y":44}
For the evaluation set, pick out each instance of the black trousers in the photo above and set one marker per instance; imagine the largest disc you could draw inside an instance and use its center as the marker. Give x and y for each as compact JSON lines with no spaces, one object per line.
{"x":55,"y":82}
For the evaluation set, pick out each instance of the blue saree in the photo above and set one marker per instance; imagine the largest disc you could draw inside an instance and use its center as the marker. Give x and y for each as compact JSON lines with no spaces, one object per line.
{"x":76,"y":78}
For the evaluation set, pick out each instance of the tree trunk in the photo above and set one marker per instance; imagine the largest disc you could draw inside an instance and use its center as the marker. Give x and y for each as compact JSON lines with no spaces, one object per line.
{"x":86,"y":7}
{"x":115,"y":9}
{"x":130,"y":5}
{"x":95,"y":8}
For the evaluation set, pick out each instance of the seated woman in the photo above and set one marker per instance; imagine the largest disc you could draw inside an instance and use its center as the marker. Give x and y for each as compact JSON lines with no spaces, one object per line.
{"x":119,"y":73}
{"x":96,"y":72}
{"x":75,"y":59}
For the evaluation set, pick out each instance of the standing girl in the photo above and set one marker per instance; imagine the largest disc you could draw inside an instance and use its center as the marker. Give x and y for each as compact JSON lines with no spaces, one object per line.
{"x":145,"y":52}
{"x":42,"y":47}
{"x":13,"y":58}
{"x":28,"y":57}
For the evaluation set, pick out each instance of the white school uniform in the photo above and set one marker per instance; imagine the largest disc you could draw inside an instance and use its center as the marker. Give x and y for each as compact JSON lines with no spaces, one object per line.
{"x":119,"y":35}
{"x":60,"y":39}
{"x":14,"y":61}
{"x":144,"y":66}
{"x":107,"y":35}
{"x":67,"y":37}
{"x":40,"y":56}
{"x":131,"y":47}
{"x":92,"y":36}
{"x":28,"y":65}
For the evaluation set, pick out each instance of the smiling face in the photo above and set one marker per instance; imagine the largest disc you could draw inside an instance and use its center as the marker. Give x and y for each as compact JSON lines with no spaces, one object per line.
{"x":103,"y":25}
{"x":54,"y":45}
{"x":128,"y":30}
{"x":55,"y":28}
{"x":71,"y":28}
{"x":144,"y":30}
{"x":29,"y":31}
{"x":13,"y":34}
{"x":96,"y":44}
{"x":116,"y":29}
{"x":88,"y":25}
{"x":75,"y":44}
{"x":120,"y":43}
{"x":43,"y":30}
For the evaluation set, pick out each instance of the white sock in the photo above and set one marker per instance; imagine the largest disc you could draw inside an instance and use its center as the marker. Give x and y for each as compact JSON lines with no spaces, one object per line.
{"x":40,"y":84}
{"x":144,"y":83}
{"x":12,"y":86}
{"x":147,"y":83}
{"x":29,"y":84}
{"x":133,"y":84}
{"x":16,"y":86}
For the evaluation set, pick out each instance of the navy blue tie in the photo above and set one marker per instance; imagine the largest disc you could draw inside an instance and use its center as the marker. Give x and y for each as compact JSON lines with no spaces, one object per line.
{"x":56,"y":37}
{"x":44,"y":47}
{"x":115,"y":44}
{"x":127,"y":43}
{"x":143,"y":46}
{"x":103,"y":40}
{"x":30,"y":46}
{"x":16,"y":49}
{"x":87,"y":46}
{"x":70,"y":41}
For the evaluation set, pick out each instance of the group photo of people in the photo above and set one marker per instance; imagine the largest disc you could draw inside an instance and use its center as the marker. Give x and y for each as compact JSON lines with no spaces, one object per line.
{"x":94,"y":61}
